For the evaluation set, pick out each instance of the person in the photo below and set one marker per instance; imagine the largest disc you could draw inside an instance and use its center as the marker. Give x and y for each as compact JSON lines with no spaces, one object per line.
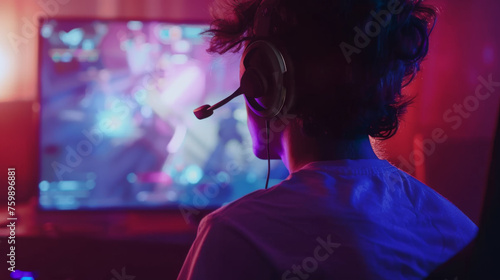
{"x":342,"y":213}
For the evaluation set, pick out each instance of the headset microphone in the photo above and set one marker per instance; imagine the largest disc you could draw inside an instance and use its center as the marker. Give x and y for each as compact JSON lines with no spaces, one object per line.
{"x":206,"y":111}
{"x":253,"y":85}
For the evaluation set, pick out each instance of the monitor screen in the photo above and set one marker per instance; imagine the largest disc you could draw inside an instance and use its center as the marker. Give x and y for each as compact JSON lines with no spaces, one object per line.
{"x":117,"y":128}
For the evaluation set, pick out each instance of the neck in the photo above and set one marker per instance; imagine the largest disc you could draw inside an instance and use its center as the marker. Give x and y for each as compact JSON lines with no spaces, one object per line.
{"x":299,"y":150}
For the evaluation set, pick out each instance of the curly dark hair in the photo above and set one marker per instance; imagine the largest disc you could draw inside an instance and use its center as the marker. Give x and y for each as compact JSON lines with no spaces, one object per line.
{"x":346,"y":86}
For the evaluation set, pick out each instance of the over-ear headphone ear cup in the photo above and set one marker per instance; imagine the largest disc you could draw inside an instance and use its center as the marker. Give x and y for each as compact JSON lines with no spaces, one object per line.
{"x":254,"y":84}
{"x":267,"y":64}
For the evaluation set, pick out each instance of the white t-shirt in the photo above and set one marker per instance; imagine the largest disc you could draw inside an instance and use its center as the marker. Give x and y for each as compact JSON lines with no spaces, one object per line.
{"x":346,"y":219}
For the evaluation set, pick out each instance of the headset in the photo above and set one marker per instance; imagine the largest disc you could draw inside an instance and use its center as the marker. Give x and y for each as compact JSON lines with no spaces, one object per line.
{"x":267,"y":82}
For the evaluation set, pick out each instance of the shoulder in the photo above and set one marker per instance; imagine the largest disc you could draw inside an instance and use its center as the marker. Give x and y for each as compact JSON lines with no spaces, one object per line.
{"x":254,"y":206}
{"x":439,"y":210}
{"x":236,"y":208}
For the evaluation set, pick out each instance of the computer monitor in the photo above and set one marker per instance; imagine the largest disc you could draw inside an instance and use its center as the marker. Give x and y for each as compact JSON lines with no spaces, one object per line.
{"x":117,"y":129}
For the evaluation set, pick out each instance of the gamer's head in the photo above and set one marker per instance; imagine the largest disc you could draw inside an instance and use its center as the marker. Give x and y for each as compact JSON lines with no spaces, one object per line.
{"x":351,"y":60}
